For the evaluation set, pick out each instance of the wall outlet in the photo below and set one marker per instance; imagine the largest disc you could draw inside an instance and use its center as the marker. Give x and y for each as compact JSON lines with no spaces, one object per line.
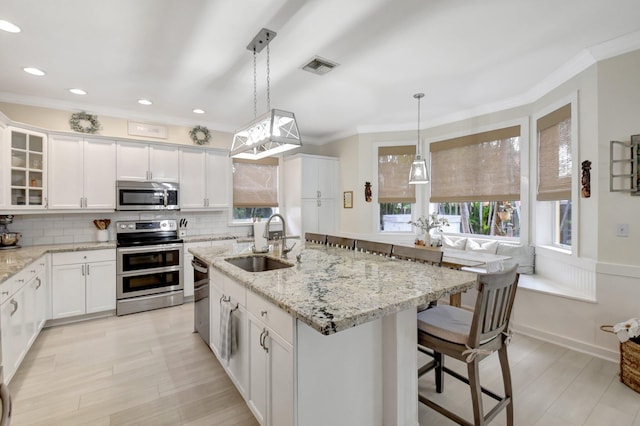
{"x":182,"y":232}
{"x":622,"y":230}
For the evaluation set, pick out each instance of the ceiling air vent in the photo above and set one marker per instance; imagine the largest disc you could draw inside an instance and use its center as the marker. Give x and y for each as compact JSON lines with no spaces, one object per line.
{"x":319,"y":65}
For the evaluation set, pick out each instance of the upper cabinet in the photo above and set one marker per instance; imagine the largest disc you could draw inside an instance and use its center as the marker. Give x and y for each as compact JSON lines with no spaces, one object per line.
{"x":204,"y":179}
{"x":141,"y":161}
{"x":27,"y":154}
{"x":82,"y":173}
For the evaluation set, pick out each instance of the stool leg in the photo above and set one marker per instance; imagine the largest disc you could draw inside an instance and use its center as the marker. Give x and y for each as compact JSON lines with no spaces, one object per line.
{"x":506,"y":378}
{"x":476,"y":392}
{"x":439,"y":370}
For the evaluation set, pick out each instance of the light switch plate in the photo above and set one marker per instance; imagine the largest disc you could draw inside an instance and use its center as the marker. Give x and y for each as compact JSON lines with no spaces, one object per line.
{"x":622,"y":230}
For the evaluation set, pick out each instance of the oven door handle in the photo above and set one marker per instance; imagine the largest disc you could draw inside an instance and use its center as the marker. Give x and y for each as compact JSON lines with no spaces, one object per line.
{"x":199,"y":267}
{"x":147,"y":249}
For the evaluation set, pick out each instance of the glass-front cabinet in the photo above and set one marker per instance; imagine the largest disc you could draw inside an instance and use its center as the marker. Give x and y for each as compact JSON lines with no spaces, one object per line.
{"x":27,"y":151}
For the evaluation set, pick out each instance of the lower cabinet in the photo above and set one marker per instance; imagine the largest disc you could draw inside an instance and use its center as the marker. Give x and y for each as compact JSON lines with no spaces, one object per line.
{"x":23,"y":311}
{"x":83,"y":282}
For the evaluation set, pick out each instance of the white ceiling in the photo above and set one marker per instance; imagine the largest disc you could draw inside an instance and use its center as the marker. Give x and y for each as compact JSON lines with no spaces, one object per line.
{"x":469,"y":57}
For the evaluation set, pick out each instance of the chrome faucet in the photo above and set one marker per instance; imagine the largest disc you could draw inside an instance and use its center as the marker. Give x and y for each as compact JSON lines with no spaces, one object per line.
{"x":284,"y":250}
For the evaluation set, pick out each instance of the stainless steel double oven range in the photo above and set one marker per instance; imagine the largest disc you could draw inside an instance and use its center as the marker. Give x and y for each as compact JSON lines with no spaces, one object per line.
{"x":149,"y":266}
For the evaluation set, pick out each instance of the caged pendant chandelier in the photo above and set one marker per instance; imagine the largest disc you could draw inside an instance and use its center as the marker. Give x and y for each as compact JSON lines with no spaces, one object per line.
{"x":419,"y":173}
{"x":273,"y":132}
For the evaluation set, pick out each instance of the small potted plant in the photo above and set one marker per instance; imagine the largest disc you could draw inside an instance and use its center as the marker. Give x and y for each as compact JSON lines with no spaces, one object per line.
{"x":425,"y":224}
{"x":102,"y":225}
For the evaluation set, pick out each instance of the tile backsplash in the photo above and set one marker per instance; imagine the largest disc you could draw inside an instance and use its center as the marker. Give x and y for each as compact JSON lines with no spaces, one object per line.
{"x":62,"y":228}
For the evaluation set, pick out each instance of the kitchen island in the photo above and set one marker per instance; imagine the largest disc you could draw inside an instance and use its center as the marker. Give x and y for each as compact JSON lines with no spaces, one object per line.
{"x":353,"y":330}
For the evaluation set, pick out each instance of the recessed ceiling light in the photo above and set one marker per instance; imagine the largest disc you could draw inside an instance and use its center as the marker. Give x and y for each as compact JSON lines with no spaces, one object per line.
{"x":34,"y":71}
{"x":9,"y":27}
{"x":78,"y":91}
{"x":144,"y":102}
{"x":198,"y":111}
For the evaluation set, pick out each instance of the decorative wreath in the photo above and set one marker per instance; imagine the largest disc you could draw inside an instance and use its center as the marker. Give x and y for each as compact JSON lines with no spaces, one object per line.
{"x":84,"y":123}
{"x":200,"y":135}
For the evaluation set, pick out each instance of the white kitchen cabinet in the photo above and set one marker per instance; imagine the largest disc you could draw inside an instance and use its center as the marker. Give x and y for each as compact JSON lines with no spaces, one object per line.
{"x":141,"y":161}
{"x":83,"y":282}
{"x":311,"y":194}
{"x":82,"y":173}
{"x":204,"y":179}
{"x":224,"y":290}
{"x":271,"y":366}
{"x":22,"y":313}
{"x":26,"y":165}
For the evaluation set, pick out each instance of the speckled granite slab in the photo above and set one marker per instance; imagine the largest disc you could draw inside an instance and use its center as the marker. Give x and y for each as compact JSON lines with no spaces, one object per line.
{"x":15,"y":260}
{"x":334,"y":289}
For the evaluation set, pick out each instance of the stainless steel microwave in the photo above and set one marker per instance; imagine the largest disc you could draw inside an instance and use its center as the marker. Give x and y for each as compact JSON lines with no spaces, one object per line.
{"x":147,"y":195}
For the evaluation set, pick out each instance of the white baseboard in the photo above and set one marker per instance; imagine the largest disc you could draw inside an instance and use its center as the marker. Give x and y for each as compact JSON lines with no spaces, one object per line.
{"x":565,"y":342}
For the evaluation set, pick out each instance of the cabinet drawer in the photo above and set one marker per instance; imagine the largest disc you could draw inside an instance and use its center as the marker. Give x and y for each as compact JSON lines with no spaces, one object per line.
{"x":6,"y":290}
{"x":238,"y":292}
{"x":273,"y":317}
{"x":71,"y":257}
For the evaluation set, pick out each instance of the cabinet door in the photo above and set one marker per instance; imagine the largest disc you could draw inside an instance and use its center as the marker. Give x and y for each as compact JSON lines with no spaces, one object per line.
{"x":68,"y":290}
{"x":215,"y":294}
{"x":192,"y":178}
{"x":100,"y":286}
{"x":66,"y":173}
{"x":40,"y":287}
{"x":309,"y":215}
{"x":239,"y":360}
{"x":99,"y":174}
{"x":132,"y":161}
{"x":257,"y":370}
{"x":27,"y":174}
{"x":326,"y":214}
{"x":19,"y":330}
{"x":310,"y":178}
{"x":327,"y":176}
{"x":280,"y":380}
{"x":218,"y":180}
{"x":8,"y":344}
{"x":164,"y":163}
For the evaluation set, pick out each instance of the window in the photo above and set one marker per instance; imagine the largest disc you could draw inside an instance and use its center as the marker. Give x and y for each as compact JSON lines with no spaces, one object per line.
{"x":554,"y":170}
{"x":255,"y":189}
{"x":395,"y":195}
{"x":475,"y":182}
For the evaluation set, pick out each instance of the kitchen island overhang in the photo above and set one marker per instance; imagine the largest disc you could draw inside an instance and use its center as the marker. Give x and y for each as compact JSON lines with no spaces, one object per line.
{"x":355,"y":333}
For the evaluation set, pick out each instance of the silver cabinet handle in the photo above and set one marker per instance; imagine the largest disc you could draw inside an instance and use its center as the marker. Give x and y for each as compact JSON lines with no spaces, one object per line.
{"x":39,"y":283}
{"x":5,"y":293}
{"x":263,"y":313}
{"x":264,"y":341}
{"x":83,"y":270}
{"x":88,"y":270}
{"x":15,"y":307}
{"x":81,"y":202}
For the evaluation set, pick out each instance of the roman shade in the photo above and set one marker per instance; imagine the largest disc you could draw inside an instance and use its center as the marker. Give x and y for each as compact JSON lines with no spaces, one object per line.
{"x":394,"y":165}
{"x":554,"y":155}
{"x":480,"y":167}
{"x":255,"y":183}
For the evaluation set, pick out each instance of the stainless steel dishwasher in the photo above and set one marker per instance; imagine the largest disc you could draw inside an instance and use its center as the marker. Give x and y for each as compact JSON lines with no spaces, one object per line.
{"x":201,"y":298}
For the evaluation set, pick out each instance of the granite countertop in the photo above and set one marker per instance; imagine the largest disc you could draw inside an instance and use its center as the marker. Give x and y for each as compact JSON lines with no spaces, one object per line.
{"x":334,"y":289}
{"x":208,"y":237}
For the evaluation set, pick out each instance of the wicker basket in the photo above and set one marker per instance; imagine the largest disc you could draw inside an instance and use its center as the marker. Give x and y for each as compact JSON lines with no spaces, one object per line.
{"x":629,"y":360}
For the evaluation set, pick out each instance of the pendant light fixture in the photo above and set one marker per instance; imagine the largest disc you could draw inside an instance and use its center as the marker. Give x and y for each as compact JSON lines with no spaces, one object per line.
{"x":275,"y":131}
{"x":419,"y":173}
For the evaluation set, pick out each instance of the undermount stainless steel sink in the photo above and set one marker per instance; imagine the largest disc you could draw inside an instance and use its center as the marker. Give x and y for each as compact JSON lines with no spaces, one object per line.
{"x":258,"y":263}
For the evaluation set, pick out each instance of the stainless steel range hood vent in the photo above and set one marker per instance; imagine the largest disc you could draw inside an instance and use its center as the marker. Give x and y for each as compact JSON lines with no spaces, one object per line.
{"x":319,"y":65}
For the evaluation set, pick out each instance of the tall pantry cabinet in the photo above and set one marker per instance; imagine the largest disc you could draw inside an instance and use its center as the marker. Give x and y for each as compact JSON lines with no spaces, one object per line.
{"x":311,"y":194}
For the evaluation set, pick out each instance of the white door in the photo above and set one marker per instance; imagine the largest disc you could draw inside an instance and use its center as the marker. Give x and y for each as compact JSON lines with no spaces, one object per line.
{"x":8,"y":343}
{"x":280,"y":380}
{"x":326,"y":214}
{"x":164,"y":163}
{"x":310,"y":211}
{"x":66,"y":173}
{"x":100,"y":286}
{"x":40,"y":287}
{"x":309,"y":177}
{"x":99,"y":174}
{"x":132,"y":161}
{"x":218,"y":180}
{"x":192,"y":178}
{"x":19,"y":332}
{"x":327,"y":172}
{"x":257,"y":370}
{"x":68,"y":290}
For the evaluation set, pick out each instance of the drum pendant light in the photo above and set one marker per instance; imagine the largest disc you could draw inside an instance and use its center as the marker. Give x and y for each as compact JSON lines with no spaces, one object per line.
{"x":275,"y":131}
{"x":419,"y":173}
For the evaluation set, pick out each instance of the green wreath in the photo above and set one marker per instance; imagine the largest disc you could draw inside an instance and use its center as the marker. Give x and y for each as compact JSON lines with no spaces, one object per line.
{"x":200,"y":135}
{"x":84,"y":123}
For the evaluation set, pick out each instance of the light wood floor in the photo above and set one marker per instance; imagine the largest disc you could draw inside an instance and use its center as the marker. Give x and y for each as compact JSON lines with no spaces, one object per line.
{"x":150,"y":369}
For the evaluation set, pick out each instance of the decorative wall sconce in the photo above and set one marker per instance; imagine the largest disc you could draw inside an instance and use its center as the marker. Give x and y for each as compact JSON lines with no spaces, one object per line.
{"x":368,"y":196}
{"x":586,"y":179}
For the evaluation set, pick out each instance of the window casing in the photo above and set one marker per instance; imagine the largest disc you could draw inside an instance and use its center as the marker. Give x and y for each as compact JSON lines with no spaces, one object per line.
{"x":255,"y":189}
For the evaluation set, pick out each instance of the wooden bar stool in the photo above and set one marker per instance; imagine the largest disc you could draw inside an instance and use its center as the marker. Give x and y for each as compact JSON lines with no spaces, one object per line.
{"x":383,"y":249}
{"x":470,"y":337}
{"x":348,"y":243}
{"x":315,"y":238}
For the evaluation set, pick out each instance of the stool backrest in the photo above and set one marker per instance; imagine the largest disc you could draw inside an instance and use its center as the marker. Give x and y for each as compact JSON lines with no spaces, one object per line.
{"x":315,"y":238}
{"x":431,"y":256}
{"x":348,"y":243}
{"x":496,"y":292}
{"x":5,"y":397}
{"x":383,"y":249}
